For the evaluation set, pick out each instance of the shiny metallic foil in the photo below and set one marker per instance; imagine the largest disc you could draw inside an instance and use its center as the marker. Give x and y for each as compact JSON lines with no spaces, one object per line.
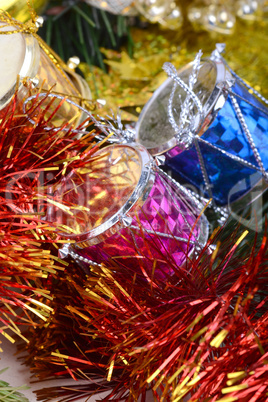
{"x":18,"y":8}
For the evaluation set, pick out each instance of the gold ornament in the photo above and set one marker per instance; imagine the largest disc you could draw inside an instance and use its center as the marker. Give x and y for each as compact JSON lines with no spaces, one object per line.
{"x":19,"y":9}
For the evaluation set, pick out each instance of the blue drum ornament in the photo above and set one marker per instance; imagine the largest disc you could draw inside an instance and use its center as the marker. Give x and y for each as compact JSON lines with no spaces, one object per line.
{"x":210,"y":126}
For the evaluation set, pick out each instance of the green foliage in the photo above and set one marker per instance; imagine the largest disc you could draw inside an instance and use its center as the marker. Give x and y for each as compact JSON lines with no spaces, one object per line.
{"x":77,"y":29}
{"x":11,"y":394}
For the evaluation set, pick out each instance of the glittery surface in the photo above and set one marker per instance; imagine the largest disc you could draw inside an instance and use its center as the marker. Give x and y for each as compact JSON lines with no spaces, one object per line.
{"x":19,"y":9}
{"x":229,"y":179}
{"x":154,"y":125}
{"x":49,"y":76}
{"x":129,"y":82}
{"x":97,"y":191}
{"x":172,"y":214}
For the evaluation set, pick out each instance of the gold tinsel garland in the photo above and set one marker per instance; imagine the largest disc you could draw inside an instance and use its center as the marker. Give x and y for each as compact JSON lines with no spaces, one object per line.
{"x":130,"y":82}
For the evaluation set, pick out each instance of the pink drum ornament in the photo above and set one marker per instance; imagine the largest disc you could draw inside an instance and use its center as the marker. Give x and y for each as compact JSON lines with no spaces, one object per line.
{"x":122,"y":209}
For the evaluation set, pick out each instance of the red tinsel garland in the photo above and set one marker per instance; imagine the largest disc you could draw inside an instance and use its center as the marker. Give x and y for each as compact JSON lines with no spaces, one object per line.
{"x":32,"y":157}
{"x":201,"y":334}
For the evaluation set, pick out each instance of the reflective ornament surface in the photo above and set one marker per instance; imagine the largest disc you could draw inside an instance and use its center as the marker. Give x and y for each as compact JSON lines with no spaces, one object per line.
{"x":98,"y":191}
{"x":219,"y":18}
{"x":173,"y":20}
{"x":229,"y":178}
{"x":166,"y":13}
{"x":19,"y":9}
{"x":154,"y":129}
{"x":38,"y":70}
{"x":226,"y":152}
{"x":13,"y":47}
{"x":249,"y":10}
{"x":127,"y":210}
{"x":153,"y":9}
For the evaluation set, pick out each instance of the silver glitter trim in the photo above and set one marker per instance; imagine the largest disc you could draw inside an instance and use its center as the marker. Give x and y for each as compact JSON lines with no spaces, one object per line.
{"x":172,"y":72}
{"x":166,"y":235}
{"x":165,"y":179}
{"x":78,"y":257}
{"x":248,"y":102}
{"x":228,"y":154}
{"x":203,"y":168}
{"x":186,"y":114}
{"x":163,"y":176}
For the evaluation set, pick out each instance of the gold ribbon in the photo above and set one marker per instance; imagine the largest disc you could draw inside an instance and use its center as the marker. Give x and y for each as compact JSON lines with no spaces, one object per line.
{"x":31,"y":28}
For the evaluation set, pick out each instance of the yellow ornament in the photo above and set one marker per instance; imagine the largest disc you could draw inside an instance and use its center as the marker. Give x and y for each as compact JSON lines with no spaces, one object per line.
{"x":19,"y":9}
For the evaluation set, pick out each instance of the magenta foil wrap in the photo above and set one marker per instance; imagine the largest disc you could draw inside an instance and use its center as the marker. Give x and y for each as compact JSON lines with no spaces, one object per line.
{"x":151,"y":242}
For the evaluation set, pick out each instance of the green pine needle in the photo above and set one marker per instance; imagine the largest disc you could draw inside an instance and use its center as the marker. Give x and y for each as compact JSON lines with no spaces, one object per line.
{"x":84,"y":15}
{"x":49,"y":30}
{"x":11,"y":394}
{"x":81,"y":30}
{"x":108,"y":26}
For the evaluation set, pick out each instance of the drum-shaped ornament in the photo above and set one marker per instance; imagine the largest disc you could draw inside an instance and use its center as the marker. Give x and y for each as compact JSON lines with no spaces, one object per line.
{"x":120,"y":208}
{"x":25,"y":64}
{"x":213,"y":132}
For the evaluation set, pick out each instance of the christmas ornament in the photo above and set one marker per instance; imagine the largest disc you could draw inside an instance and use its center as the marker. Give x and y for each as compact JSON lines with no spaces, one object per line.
{"x":19,"y":9}
{"x":211,"y":126}
{"x":217,"y":16}
{"x":167,"y":14}
{"x":130,"y":81}
{"x":220,"y":16}
{"x":123,"y":206}
{"x":38,"y":67}
{"x":249,"y":10}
